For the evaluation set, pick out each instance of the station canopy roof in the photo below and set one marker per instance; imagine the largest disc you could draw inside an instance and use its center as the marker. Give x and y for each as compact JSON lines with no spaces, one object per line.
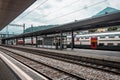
{"x":10,"y":9}
{"x":90,"y":23}
{"x":107,"y":10}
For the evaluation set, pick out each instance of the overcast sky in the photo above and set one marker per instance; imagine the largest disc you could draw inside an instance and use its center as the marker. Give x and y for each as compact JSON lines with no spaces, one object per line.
{"x":46,"y":12}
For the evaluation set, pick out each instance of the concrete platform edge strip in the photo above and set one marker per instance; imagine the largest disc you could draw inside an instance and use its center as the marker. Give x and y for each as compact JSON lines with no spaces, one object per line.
{"x":28,"y":68}
{"x":16,"y":69}
{"x":7,"y":76}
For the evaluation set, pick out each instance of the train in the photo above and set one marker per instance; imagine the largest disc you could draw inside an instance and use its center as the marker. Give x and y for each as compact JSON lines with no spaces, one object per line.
{"x":28,"y":41}
{"x":104,"y":40}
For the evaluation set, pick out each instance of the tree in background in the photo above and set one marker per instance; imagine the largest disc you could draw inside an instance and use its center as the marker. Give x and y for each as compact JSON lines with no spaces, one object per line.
{"x":112,"y":28}
{"x":92,"y":30}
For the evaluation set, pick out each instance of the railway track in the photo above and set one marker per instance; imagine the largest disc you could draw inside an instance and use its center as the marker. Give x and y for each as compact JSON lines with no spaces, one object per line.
{"x":103,"y":65}
{"x":50,"y":72}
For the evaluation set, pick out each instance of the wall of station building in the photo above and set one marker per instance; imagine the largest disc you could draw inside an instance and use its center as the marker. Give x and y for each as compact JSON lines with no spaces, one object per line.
{"x":42,"y":41}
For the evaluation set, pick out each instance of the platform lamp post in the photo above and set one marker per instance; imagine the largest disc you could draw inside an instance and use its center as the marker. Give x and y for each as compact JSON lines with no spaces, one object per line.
{"x":72,"y":40}
{"x":32,"y":35}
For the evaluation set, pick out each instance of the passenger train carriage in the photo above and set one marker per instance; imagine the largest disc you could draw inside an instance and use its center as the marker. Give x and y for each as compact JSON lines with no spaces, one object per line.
{"x":106,"y":40}
{"x":96,"y":40}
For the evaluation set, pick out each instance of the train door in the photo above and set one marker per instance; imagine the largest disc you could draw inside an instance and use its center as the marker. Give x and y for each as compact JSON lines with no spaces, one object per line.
{"x":93,"y":43}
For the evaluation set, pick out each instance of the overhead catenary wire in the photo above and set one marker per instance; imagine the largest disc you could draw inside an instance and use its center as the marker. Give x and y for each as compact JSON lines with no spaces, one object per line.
{"x":32,"y":10}
{"x":76,"y":10}
{"x":55,"y":11}
{"x":62,"y":8}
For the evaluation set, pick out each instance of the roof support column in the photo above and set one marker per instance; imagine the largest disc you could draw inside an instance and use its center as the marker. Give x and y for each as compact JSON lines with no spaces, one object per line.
{"x":61,"y":42}
{"x":23,"y":28}
{"x":72,"y":40}
{"x":0,"y":35}
{"x":23,"y":41}
{"x":16,"y":41}
{"x":56,"y":42}
{"x":36,"y":41}
{"x":7,"y":42}
{"x":3,"y":41}
{"x":31,"y":40}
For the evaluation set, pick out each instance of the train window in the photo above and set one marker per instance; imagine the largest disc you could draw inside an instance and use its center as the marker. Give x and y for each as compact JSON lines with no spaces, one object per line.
{"x":111,"y":36}
{"x":82,"y":37}
{"x":69,"y":38}
{"x":86,"y":37}
{"x":101,"y":44}
{"x":118,"y":44}
{"x":102,"y":36}
{"x":110,"y":44}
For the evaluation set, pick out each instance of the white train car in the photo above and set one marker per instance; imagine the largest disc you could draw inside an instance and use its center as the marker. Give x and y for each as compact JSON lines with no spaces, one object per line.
{"x":106,"y":38}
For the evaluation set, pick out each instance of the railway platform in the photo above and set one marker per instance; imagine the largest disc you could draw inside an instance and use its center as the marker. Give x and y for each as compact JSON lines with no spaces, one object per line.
{"x":11,"y":69}
{"x":6,"y":73}
{"x":89,"y":53}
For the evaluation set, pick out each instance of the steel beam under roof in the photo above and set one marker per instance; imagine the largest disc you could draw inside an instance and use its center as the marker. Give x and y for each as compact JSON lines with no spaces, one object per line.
{"x":10,"y":9}
{"x":90,"y":23}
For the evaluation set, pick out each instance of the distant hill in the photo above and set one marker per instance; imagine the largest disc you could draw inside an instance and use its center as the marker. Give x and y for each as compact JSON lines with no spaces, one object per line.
{"x":107,"y":10}
{"x":38,"y":28}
